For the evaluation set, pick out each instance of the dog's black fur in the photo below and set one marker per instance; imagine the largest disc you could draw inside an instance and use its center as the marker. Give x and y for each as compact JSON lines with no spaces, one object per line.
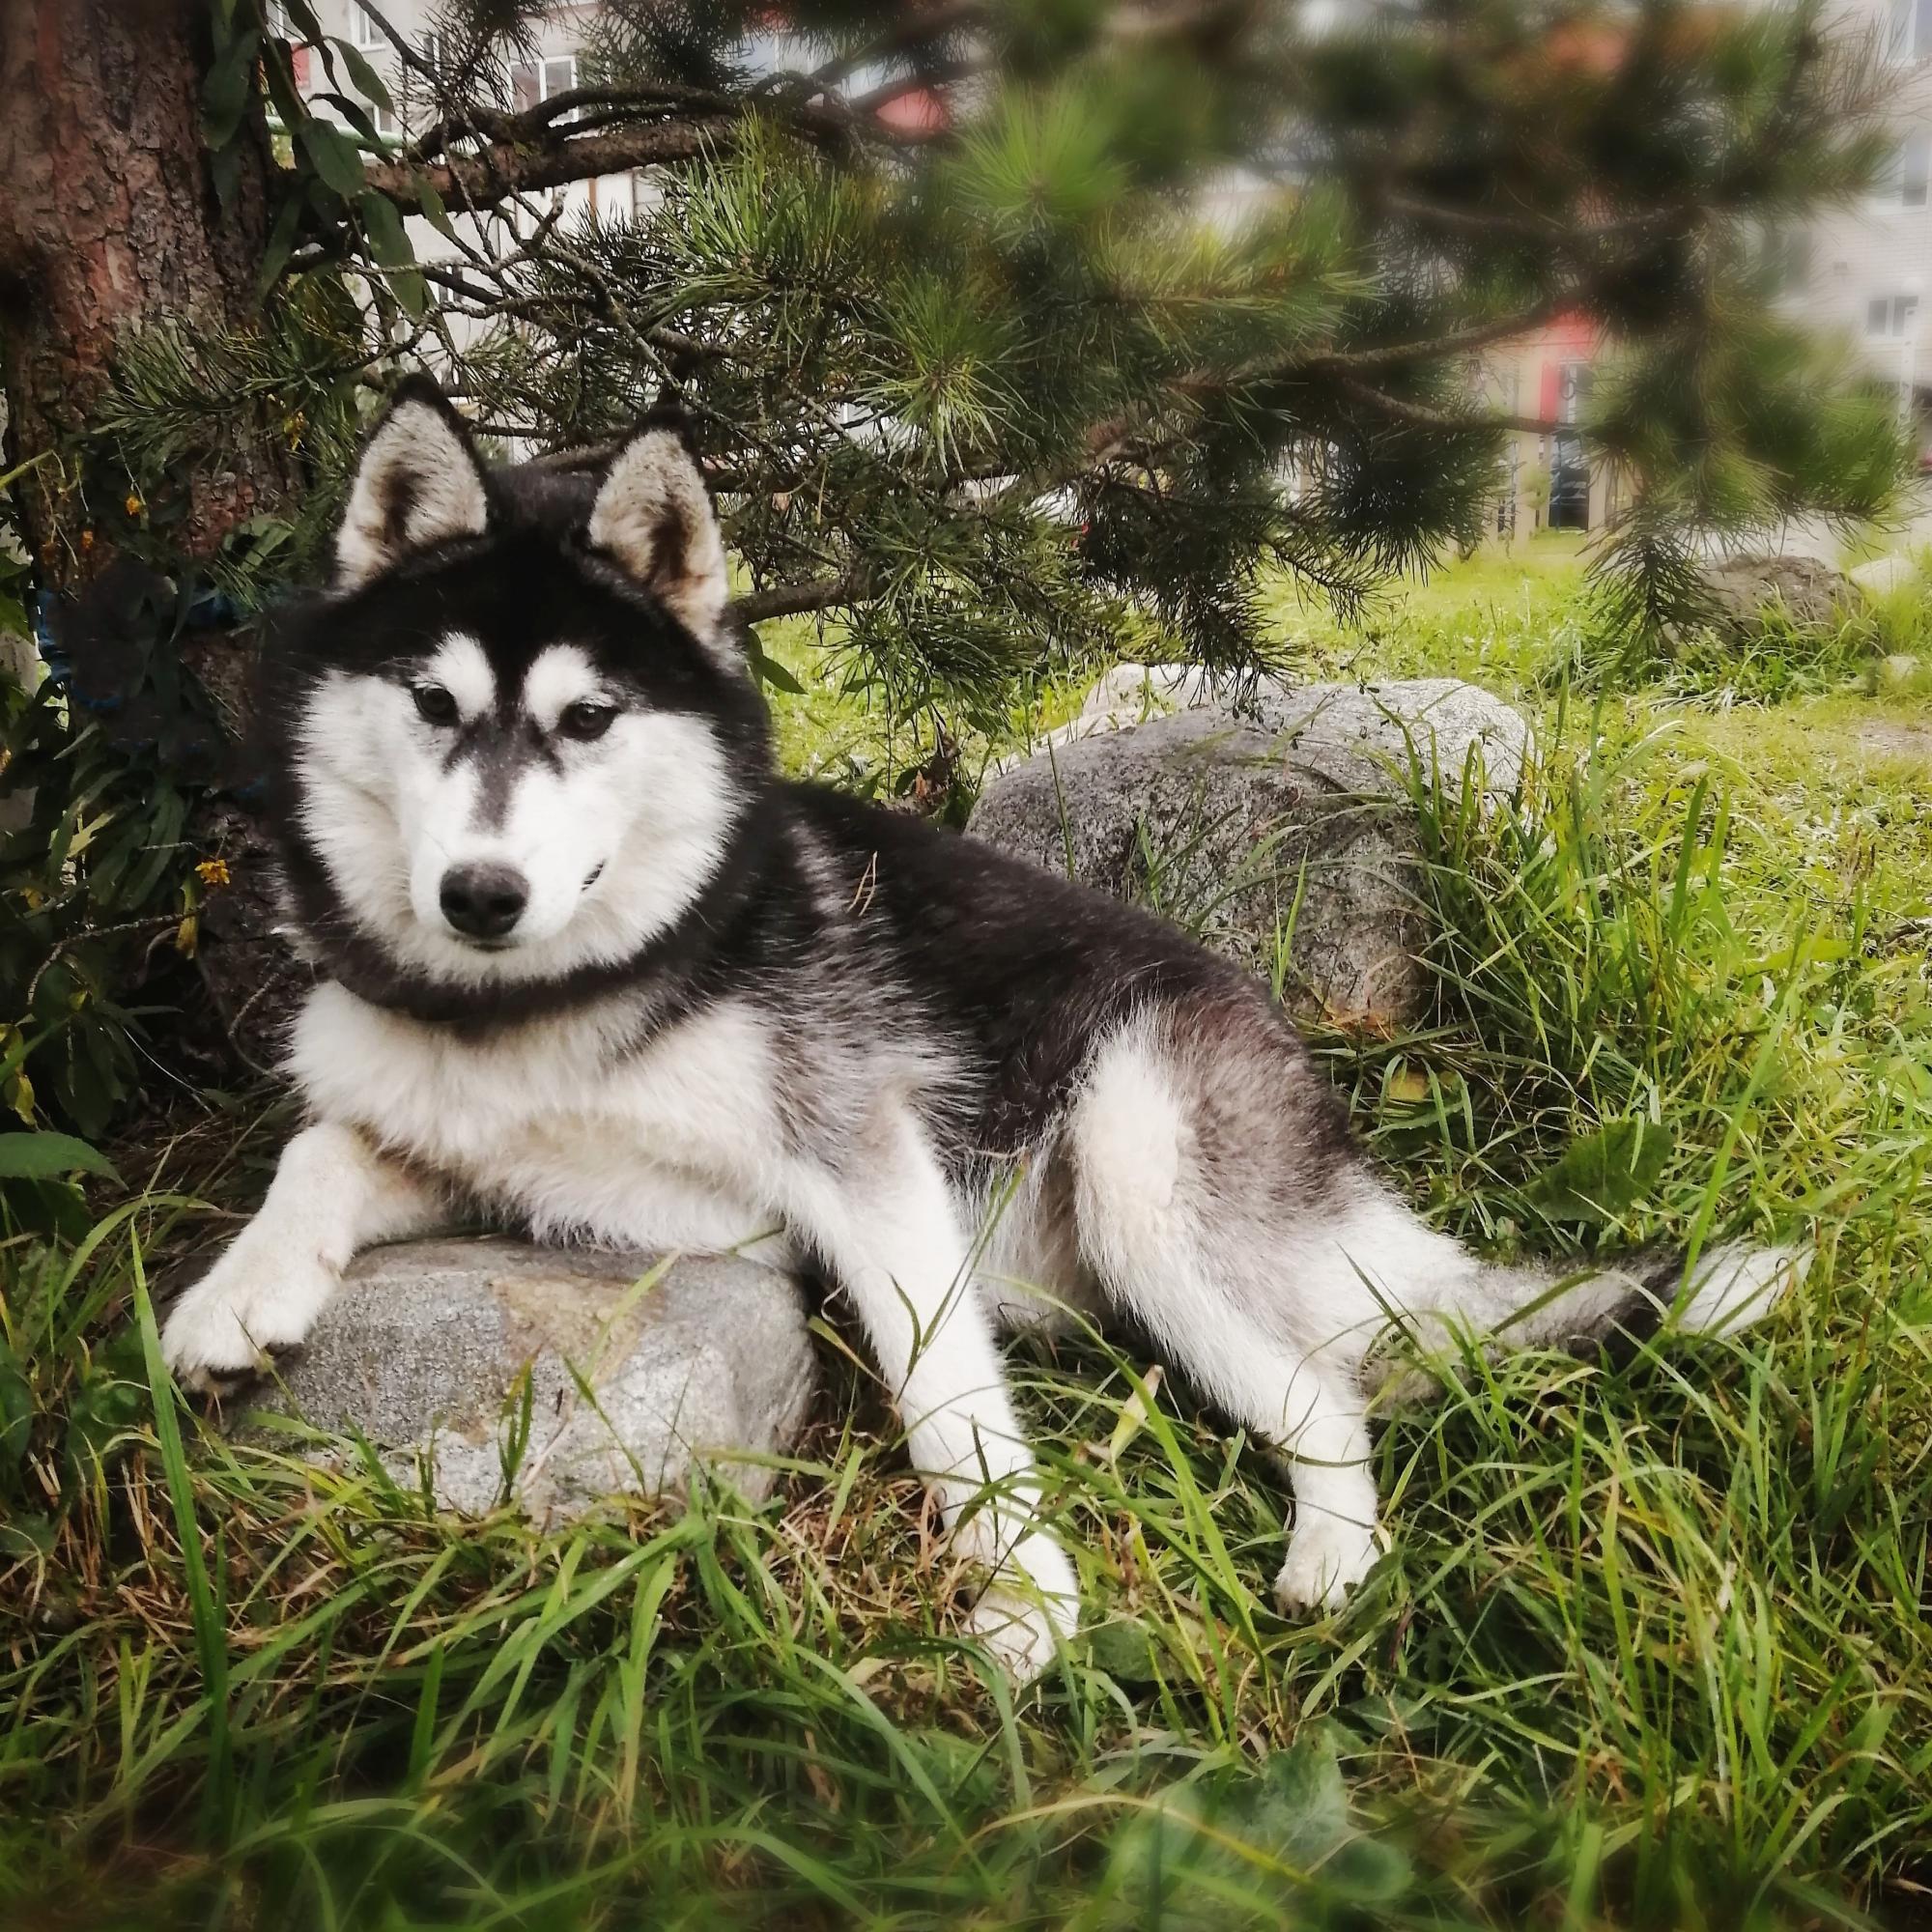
{"x":1005,"y":959}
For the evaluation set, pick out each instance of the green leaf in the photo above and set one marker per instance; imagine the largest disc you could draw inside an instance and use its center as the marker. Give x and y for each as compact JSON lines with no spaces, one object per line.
{"x":1599,"y":1177}
{"x":1127,"y":1651}
{"x":281,"y":243}
{"x":280,"y":80}
{"x":388,"y":239}
{"x":211,"y":1638}
{"x":432,"y":205}
{"x":226,"y":92}
{"x":368,"y":82}
{"x":336,"y":159}
{"x":767,"y":669}
{"x":17,"y":1412}
{"x":354,"y":112}
{"x":408,"y":287}
{"x":778,"y":677}
{"x":27,"y":1534}
{"x":302,"y":21}
{"x":46,"y":1157}
{"x":1303,"y":1816}
{"x":1233,"y":1847}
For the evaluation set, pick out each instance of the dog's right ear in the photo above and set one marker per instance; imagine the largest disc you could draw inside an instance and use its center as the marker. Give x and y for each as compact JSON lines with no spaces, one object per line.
{"x":419,"y":482}
{"x":653,"y":517}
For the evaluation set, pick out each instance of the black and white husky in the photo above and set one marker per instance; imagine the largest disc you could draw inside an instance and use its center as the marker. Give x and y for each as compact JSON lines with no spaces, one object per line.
{"x":590,"y":967}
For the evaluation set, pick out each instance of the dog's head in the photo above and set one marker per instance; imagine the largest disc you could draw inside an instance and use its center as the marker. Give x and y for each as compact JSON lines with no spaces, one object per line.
{"x":518,"y":736}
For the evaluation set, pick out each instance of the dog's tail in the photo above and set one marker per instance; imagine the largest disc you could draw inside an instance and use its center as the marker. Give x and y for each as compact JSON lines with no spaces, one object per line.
{"x":1585,"y":1309}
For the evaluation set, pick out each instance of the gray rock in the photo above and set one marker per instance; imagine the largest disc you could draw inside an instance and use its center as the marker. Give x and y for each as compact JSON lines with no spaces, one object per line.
{"x":1740,"y":590}
{"x":1299,"y":821}
{"x":424,"y":1348}
{"x":1439,"y":721}
{"x":1880,"y":576}
{"x":1129,"y":694}
{"x":1132,"y":694}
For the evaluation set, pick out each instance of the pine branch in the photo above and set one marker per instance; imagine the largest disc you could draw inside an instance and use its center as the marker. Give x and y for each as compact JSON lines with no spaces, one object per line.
{"x":1549,"y":229}
{"x":1423,"y":416}
{"x":527,"y":155}
{"x":508,"y":167}
{"x":486,"y":304}
{"x":789,"y":600}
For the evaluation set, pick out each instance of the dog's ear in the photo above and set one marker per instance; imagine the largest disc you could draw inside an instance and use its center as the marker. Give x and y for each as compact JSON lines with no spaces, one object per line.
{"x":653,"y":516}
{"x":419,"y":482}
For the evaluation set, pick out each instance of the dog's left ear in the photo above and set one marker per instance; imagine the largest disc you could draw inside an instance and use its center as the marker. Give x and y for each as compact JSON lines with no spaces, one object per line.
{"x":419,"y":482}
{"x":653,"y":516}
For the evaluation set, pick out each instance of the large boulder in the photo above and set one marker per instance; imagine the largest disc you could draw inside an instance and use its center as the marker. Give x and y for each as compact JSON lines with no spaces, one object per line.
{"x":1294,"y":824}
{"x":424,"y":1349}
{"x":1438,"y":727}
{"x":1739,"y":590}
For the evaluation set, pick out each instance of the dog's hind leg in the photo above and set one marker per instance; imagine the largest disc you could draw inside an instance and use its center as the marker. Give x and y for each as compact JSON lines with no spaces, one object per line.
{"x":893,"y":1238}
{"x":333,"y":1194}
{"x":1160,"y":1221}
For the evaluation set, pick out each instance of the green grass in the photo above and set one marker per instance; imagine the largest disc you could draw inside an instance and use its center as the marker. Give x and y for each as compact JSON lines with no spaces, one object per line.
{"x":1651,"y":1647}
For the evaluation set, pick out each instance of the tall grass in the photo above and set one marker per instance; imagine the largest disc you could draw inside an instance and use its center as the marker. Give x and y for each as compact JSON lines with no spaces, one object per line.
{"x":1650,"y":1646}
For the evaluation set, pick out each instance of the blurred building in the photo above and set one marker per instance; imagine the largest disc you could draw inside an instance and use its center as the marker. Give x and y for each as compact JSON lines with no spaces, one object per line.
{"x":1864,"y":272}
{"x":1548,"y":480}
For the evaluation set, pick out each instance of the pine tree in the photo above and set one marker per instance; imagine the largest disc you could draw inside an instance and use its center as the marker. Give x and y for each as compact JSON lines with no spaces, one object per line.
{"x":993,"y":388}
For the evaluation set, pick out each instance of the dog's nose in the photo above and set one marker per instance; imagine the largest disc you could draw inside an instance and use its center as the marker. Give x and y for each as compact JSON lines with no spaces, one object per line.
{"x":484,"y":901}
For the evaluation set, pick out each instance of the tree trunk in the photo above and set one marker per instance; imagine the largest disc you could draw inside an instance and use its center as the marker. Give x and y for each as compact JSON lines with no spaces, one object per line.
{"x":109,"y":218}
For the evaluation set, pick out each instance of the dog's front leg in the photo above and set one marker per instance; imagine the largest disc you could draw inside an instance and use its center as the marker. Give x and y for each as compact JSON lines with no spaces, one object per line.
{"x":333,"y":1194}
{"x":892,"y":1239}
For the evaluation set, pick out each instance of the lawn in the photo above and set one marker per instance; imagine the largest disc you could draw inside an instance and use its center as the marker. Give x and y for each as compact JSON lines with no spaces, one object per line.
{"x":1651,"y":1644}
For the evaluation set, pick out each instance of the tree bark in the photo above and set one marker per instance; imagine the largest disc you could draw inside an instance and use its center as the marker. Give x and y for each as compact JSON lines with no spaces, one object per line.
{"x":109,"y":218}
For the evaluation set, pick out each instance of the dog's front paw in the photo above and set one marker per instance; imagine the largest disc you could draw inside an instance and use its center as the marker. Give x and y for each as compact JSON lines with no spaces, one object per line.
{"x":1018,"y":1628}
{"x":250,"y":1302}
{"x":1028,"y":1608}
{"x":1328,"y":1557}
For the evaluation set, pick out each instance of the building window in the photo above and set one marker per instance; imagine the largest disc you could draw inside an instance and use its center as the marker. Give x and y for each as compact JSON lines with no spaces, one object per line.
{"x":1906,"y":172}
{"x":530,"y":85}
{"x":1909,"y":36}
{"x":1569,"y":507}
{"x":363,"y":28}
{"x":1915,"y":166}
{"x":1892,"y":317}
{"x":419,"y":96}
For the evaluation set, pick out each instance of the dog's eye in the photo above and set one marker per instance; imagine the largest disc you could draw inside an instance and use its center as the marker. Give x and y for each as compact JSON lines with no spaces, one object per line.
{"x":434,"y":704}
{"x":586,"y":720}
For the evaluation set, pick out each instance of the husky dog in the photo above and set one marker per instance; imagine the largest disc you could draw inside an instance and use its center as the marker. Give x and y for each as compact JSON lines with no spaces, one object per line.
{"x":590,"y":967}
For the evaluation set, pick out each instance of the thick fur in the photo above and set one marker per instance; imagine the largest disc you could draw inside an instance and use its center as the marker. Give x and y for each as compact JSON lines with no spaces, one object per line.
{"x":740,"y":1010}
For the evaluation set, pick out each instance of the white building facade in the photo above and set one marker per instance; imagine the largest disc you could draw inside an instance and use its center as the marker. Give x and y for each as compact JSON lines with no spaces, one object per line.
{"x":1864,"y":272}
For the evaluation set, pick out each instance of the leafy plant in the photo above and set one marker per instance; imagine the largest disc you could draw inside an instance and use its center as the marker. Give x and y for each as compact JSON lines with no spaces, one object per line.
{"x":98,"y":887}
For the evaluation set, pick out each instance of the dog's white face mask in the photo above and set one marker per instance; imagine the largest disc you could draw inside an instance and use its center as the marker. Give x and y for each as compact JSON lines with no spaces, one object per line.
{"x":513,"y":813}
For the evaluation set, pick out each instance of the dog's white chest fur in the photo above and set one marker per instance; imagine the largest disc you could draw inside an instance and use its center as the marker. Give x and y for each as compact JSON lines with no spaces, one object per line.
{"x":563,"y":1121}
